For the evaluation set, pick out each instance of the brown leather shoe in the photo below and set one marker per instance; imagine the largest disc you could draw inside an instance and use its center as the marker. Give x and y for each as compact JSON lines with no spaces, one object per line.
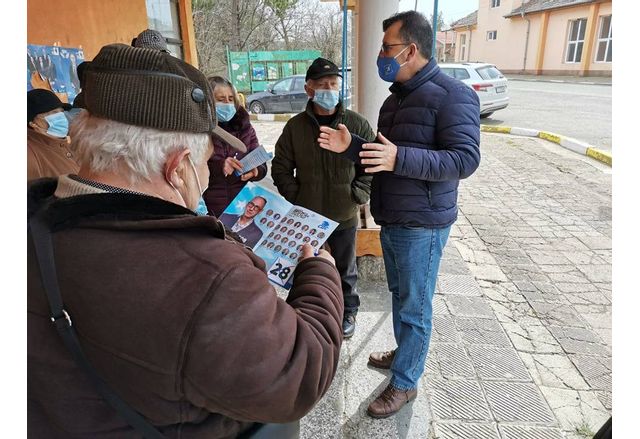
{"x":390,"y":401}
{"x":382,"y":360}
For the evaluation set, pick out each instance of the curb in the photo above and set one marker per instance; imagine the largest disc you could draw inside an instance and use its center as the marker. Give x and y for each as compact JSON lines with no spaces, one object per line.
{"x":566,"y":142}
{"x":561,"y":81}
{"x":271,"y":117}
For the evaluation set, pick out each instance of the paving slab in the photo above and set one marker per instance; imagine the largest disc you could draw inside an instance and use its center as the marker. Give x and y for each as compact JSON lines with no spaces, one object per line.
{"x":520,"y":432}
{"x":518,"y":402}
{"x":481,"y":331}
{"x":554,"y":370}
{"x":459,"y":399}
{"x":464,"y":306}
{"x":576,"y":409}
{"x":460,"y":430}
{"x":449,"y":360}
{"x":494,"y":363}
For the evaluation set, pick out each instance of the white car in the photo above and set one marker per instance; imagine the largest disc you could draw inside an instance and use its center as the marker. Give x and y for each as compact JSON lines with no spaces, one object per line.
{"x":490,"y":85}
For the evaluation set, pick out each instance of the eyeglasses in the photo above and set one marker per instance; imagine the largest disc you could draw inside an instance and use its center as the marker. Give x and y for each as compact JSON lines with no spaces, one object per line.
{"x":252,"y":205}
{"x":385,"y":47}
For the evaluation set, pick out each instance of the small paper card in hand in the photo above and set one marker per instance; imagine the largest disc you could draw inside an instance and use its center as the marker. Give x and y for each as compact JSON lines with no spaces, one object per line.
{"x":254,"y":159}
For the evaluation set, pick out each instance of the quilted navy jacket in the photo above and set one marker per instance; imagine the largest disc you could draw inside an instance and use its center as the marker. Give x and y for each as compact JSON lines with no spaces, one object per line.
{"x":434,"y":120}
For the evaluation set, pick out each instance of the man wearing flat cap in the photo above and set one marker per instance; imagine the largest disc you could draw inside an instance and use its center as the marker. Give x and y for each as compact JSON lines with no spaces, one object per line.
{"x":48,"y":153}
{"x":312,"y":177}
{"x":150,"y":39}
{"x":179,"y":324}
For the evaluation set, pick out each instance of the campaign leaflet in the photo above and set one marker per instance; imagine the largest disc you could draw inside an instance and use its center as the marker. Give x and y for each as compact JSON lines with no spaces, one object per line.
{"x":277,"y":231}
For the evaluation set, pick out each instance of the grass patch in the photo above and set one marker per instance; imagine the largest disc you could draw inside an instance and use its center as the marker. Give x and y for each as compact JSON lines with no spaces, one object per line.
{"x":584,"y":430}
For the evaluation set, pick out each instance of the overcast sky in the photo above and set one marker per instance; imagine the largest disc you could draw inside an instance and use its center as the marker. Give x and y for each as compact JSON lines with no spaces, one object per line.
{"x":452,"y":9}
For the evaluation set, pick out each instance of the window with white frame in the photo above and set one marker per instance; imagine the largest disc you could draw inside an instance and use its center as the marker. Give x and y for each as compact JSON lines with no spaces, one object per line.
{"x":495,"y":3}
{"x":163,"y":16}
{"x":575,"y":44}
{"x":492,"y":35}
{"x":603,"y":52}
{"x":463,"y":46}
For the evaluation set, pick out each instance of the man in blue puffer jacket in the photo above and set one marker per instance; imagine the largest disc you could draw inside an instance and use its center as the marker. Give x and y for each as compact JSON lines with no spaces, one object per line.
{"x":429,"y":132}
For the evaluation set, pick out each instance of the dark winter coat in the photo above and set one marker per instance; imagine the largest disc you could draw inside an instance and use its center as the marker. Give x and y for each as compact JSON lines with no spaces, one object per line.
{"x":179,"y":321}
{"x":312,"y":177}
{"x":221,"y":189}
{"x":434,"y":120}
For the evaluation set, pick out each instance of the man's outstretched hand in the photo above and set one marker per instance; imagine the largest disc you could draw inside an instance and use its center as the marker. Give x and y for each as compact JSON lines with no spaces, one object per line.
{"x":379,"y":156}
{"x":335,"y":140}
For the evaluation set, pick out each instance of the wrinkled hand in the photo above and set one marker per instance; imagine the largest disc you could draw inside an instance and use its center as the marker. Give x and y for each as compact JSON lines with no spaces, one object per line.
{"x":249,"y":175}
{"x":335,"y":140}
{"x":231,"y":164}
{"x":379,"y":156}
{"x":308,"y":252}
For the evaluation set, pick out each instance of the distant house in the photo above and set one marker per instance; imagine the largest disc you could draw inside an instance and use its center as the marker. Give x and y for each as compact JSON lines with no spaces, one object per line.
{"x":542,"y":37}
{"x":445,"y":45}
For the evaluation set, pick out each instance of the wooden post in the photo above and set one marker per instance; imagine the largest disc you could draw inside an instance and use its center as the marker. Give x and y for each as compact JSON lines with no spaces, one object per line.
{"x":187,"y":33}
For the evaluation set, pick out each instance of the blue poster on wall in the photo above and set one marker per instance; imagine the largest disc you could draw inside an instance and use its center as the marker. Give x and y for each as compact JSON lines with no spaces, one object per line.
{"x":54,"y":68}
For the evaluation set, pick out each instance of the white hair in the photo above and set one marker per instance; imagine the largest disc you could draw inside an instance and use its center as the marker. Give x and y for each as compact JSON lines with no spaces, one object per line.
{"x":107,"y":145}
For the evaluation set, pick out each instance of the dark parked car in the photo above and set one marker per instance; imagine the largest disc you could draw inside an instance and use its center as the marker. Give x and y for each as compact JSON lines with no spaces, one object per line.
{"x":287,"y":95}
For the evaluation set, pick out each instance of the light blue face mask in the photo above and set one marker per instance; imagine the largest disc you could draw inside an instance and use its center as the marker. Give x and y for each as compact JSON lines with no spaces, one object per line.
{"x":225,"y":112}
{"x":201,"y":209}
{"x":58,"y":125}
{"x":327,"y":99}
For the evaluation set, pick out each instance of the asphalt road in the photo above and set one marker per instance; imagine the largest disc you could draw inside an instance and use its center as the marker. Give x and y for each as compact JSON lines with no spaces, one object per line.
{"x":581,"y":111}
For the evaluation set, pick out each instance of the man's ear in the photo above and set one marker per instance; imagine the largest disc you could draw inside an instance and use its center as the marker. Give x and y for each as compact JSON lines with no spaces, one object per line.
{"x":175,"y":167}
{"x":413,"y":51}
{"x":310,"y":92}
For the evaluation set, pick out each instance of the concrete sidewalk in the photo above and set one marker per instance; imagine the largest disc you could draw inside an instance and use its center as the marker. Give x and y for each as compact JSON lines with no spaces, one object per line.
{"x":521,"y":347}
{"x":591,"y":80}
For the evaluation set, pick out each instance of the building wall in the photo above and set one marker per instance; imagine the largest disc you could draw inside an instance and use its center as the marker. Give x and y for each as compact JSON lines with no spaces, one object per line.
{"x":469,"y":35}
{"x":508,"y":50}
{"x":605,"y":9}
{"x":85,"y":23}
{"x":91,"y":24}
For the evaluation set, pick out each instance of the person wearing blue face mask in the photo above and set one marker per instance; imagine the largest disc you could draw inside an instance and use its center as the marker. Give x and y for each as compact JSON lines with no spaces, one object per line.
{"x":224,"y":185}
{"x":311,"y":177}
{"x":48,"y":153}
{"x":429,"y":139}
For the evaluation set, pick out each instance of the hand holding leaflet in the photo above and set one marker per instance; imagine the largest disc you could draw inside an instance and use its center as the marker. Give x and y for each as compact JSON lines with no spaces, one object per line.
{"x":277,"y":231}
{"x":254,"y":159}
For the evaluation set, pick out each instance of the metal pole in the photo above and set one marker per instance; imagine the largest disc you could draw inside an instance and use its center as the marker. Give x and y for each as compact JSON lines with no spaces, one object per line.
{"x":344,"y":50}
{"x":435,"y":28}
{"x":415,"y":6}
{"x":229,"y":64}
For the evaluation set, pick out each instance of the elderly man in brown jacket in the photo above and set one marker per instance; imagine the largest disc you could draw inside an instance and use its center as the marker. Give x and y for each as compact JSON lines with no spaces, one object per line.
{"x":178,"y":319}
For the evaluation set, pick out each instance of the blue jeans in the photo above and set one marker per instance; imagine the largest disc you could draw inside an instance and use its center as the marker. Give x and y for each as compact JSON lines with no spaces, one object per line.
{"x":411,"y":260}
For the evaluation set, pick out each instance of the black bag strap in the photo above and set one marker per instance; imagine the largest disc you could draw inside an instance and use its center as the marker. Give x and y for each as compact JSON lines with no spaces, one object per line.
{"x":43,"y":242}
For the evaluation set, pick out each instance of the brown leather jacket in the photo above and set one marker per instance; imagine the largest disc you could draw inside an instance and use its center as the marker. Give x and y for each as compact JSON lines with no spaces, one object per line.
{"x":181,"y":322}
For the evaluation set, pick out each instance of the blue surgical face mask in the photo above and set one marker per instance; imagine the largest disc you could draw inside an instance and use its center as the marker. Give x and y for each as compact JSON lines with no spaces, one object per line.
{"x":201,"y":208}
{"x":225,"y":112}
{"x":327,"y":99}
{"x":58,"y":125}
{"x":388,"y":67}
